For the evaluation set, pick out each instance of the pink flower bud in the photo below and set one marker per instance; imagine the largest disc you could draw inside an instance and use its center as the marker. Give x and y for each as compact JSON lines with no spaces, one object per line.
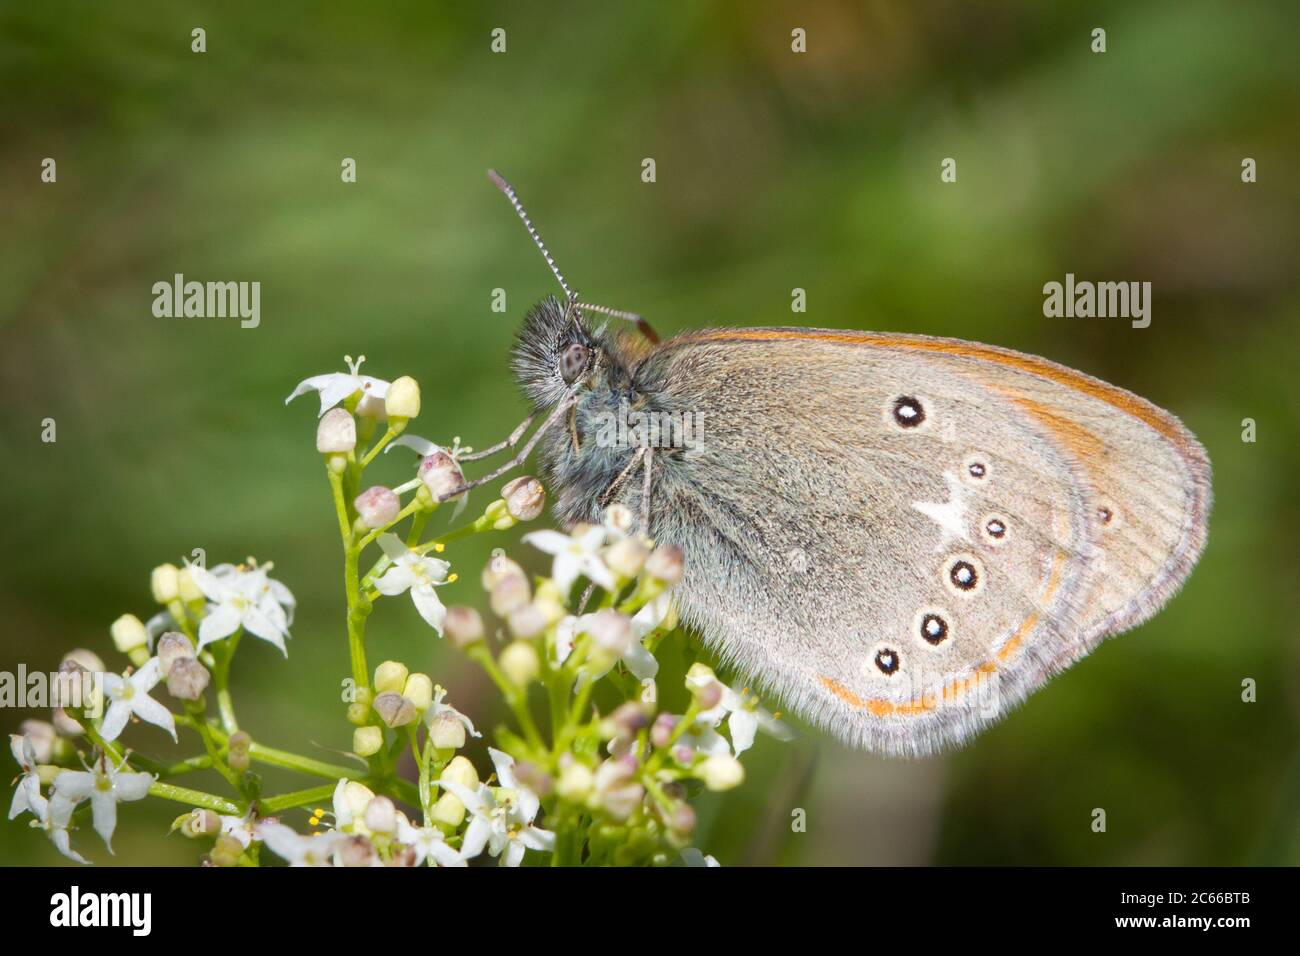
{"x":173,"y":646}
{"x":462,"y":625}
{"x":525,"y":498}
{"x":377,"y":506}
{"x":665,"y":563}
{"x":441,"y":474}
{"x":337,"y":432}
{"x":187,"y":679}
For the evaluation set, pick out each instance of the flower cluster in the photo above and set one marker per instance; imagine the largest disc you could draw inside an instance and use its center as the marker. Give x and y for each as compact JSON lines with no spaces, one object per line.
{"x":593,"y":771}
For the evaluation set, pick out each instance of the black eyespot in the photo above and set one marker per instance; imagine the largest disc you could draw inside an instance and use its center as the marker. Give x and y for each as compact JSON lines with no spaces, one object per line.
{"x":977,"y":470}
{"x":908,"y":412}
{"x":887,"y":661}
{"x":963,"y":575}
{"x":1105,"y":515}
{"x":934,"y":629}
{"x":996,"y":528}
{"x":573,"y":362}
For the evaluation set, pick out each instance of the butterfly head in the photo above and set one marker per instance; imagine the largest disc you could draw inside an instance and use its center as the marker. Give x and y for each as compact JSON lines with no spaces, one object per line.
{"x":555,"y":352}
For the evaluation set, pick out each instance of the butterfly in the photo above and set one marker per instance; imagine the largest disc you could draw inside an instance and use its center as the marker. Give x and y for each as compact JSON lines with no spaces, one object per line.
{"x":900,"y":536}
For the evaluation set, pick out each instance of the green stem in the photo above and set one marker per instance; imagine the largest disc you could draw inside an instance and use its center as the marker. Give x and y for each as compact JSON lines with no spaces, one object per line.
{"x":298,"y":798}
{"x":195,"y":798}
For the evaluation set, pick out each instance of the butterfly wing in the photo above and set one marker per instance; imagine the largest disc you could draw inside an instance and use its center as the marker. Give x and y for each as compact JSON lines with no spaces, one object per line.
{"x":902,"y":535}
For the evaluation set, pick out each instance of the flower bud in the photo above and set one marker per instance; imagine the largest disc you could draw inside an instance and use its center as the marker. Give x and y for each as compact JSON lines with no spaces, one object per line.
{"x":42,"y":737}
{"x":524,"y":497}
{"x":238,"y":750}
{"x":709,"y":695}
{"x":446,"y":732}
{"x":357,"y":850}
{"x":500,"y":567}
{"x":460,"y":771}
{"x":381,"y":816}
{"x":164,"y":582}
{"x":351,"y":801}
{"x":661,"y":731}
{"x":448,"y":811}
{"x":550,"y":602}
{"x":628,"y":718}
{"x":172,"y":647}
{"x":87,"y":659}
{"x":462,"y":626}
{"x":65,"y":724}
{"x":74,"y":686}
{"x":419,"y":691}
{"x":128,"y":633}
{"x":336,"y":432}
{"x":665,"y":564}
{"x":377,"y":506}
{"x":403,"y":399}
{"x":575,"y":783}
{"x":510,"y":593}
{"x":394,"y":709}
{"x":358,"y":713}
{"x":200,"y":823}
{"x":620,"y":801}
{"x":533,"y":777}
{"x":226,"y":851}
{"x":520,"y":663}
{"x":441,"y":474}
{"x":367,"y":741}
{"x":619,"y":518}
{"x":611,"y":631}
{"x":527,"y":622}
{"x":185,"y":586}
{"x":626,"y":557}
{"x":187,"y":679}
{"x":681,"y":820}
{"x":721,"y":772}
{"x":390,"y":676}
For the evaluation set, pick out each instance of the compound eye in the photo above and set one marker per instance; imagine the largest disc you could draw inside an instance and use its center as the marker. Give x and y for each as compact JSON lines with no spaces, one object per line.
{"x":573,"y":361}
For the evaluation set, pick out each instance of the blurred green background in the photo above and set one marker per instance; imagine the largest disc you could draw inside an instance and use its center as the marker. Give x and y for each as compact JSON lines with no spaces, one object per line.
{"x":775,"y":170}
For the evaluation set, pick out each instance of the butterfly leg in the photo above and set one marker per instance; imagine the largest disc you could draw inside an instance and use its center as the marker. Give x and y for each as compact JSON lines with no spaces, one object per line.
{"x":608,"y":496}
{"x":520,"y":458}
{"x":510,"y":442}
{"x":645,"y":493}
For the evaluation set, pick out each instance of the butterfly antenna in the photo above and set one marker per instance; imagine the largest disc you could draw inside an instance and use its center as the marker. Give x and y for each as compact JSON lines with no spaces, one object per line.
{"x":642,"y":325}
{"x":505,"y":187}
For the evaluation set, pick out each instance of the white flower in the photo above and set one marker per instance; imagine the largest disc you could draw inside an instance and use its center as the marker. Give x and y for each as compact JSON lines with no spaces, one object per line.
{"x":742,"y":713}
{"x":418,"y":573}
{"x":428,"y":843}
{"x":503,"y":818}
{"x":421,"y":446}
{"x":299,"y":850}
{"x":104,"y":786}
{"x":334,"y":387}
{"x":574,"y":555}
{"x":627,"y":648}
{"x":243,"y":597}
{"x":53,"y":816}
{"x":693,"y":857}
{"x":242,"y":829}
{"x":30,"y":782}
{"x":130,"y":695}
{"x":438,"y":708}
